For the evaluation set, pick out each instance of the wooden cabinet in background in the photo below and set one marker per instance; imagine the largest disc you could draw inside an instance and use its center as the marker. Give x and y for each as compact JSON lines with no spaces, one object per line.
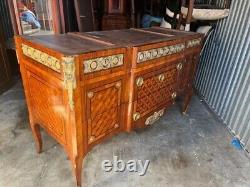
{"x":5,"y":74}
{"x":116,"y":15}
{"x":85,"y":87}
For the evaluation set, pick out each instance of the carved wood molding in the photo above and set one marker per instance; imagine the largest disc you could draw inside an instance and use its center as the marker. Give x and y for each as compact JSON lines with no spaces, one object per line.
{"x":194,"y":42}
{"x":42,"y":58}
{"x":69,"y":78}
{"x":103,"y":63}
{"x":151,"y":54}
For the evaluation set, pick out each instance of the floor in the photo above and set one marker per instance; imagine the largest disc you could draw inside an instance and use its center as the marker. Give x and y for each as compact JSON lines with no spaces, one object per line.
{"x":192,"y":150}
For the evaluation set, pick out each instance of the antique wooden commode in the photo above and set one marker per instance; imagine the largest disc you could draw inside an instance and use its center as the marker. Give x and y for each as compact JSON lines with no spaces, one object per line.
{"x":84,"y":87}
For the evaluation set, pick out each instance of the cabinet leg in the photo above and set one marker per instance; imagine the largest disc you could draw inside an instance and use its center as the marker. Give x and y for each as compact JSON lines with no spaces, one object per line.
{"x":37,"y":135}
{"x":77,"y":167}
{"x":186,"y":101}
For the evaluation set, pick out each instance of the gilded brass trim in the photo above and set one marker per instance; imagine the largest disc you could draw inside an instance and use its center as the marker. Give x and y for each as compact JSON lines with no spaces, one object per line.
{"x":136,"y":116}
{"x":139,"y":81}
{"x":118,"y":85}
{"x":69,"y":78}
{"x":42,"y":58}
{"x":91,"y":139}
{"x":151,"y":54}
{"x":153,"y":118}
{"x":116,"y":126}
{"x":103,"y":63}
{"x":90,"y":94}
{"x":194,"y":42}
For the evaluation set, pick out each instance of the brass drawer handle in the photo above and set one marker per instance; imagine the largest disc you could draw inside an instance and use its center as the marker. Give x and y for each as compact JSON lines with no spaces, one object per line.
{"x":154,"y":117}
{"x":116,"y":126}
{"x":139,"y":81}
{"x":179,"y":66}
{"x":161,"y":77}
{"x":174,"y":94}
{"x":136,"y":116}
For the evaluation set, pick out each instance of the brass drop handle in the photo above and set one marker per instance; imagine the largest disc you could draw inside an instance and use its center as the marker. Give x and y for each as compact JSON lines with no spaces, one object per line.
{"x":161,"y":77}
{"x":136,"y":116}
{"x":179,"y":66}
{"x":139,"y":81}
{"x":174,"y":94}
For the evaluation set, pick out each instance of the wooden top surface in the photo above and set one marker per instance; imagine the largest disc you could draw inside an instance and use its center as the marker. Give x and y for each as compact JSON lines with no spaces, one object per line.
{"x":78,"y":43}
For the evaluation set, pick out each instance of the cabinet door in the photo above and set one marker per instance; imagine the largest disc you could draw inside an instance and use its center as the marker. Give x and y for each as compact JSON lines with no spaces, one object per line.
{"x":103,"y":110}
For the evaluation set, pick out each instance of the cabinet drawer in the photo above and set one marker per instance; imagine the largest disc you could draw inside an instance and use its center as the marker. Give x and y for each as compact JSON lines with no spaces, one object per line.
{"x":150,"y":83}
{"x":103,"y":110}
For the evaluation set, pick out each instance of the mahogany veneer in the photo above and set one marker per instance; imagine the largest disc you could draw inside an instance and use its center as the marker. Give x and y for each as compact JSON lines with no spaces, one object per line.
{"x":84,"y":87}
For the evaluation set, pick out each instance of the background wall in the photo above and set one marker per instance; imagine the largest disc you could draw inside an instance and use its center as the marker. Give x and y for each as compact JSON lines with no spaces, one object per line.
{"x":223,"y":77}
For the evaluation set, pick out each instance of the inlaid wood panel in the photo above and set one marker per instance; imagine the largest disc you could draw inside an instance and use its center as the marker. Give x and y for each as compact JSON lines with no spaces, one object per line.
{"x":47,"y":104}
{"x":103,"y":110}
{"x":149,"y":102}
{"x":152,"y":82}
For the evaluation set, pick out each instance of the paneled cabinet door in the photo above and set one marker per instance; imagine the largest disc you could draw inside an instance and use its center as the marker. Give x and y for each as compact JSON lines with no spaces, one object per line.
{"x":103,"y":110}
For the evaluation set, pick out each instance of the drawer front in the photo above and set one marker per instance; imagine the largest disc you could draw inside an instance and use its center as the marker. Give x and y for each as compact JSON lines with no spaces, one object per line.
{"x":103,"y":110}
{"x":103,"y":63}
{"x":150,"y":83}
{"x":154,"y":90}
{"x":159,"y":52}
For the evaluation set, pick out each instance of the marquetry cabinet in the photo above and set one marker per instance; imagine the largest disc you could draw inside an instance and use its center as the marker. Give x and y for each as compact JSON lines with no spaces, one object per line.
{"x":85,"y":87}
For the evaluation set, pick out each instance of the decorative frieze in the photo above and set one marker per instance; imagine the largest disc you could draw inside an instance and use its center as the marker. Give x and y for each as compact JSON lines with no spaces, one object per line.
{"x":41,"y":57}
{"x":194,"y":42}
{"x":153,"y":118}
{"x":103,"y":63}
{"x":159,"y":52}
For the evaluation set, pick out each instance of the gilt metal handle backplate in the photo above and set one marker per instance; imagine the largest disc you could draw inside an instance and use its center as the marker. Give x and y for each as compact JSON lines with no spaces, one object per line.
{"x":139,"y":81}
{"x":161,"y":77}
{"x":174,"y":94}
{"x":136,"y":116}
{"x":154,"y":117}
{"x":179,"y":66}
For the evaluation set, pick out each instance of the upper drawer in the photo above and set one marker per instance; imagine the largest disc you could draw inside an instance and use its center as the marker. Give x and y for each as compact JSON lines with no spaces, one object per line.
{"x":158,"y":52}
{"x":155,"y":53}
{"x":101,"y":63}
